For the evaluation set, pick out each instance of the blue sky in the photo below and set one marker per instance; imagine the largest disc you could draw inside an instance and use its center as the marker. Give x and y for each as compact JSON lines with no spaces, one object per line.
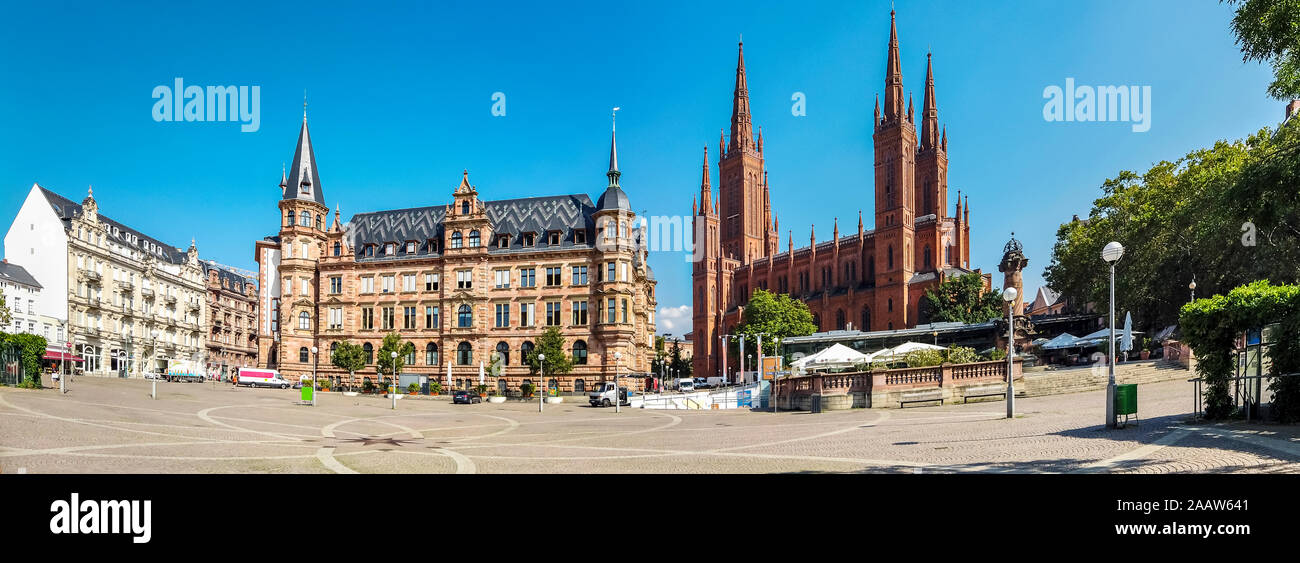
{"x":400,"y":103}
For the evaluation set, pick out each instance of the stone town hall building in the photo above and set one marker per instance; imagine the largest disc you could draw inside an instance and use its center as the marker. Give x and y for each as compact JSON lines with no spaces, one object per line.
{"x":466,"y":282}
{"x":870,"y":280}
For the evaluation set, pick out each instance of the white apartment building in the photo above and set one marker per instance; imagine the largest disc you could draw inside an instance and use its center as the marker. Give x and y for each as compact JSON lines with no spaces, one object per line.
{"x":23,"y":298}
{"x":132,"y":304}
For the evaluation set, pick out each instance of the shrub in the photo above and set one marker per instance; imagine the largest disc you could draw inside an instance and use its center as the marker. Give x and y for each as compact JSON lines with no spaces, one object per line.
{"x":413,"y":388}
{"x":368,"y":386}
{"x":961,"y":355}
{"x":435,"y":387}
{"x":997,"y":354}
{"x":30,"y":382}
{"x":923,"y":358}
{"x":527,"y":389}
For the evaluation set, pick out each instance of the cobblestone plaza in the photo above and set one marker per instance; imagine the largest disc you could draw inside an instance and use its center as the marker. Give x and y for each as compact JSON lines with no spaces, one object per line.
{"x":112,"y":426}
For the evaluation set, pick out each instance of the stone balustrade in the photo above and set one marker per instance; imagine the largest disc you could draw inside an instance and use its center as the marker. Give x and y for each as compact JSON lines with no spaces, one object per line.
{"x":882,"y":389}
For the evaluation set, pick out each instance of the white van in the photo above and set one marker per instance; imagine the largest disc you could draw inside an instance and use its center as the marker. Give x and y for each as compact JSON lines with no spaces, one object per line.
{"x":252,"y":377}
{"x":686,"y":385}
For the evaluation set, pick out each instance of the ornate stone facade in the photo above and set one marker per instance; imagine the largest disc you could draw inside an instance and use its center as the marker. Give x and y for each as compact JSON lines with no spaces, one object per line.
{"x":231,"y":320}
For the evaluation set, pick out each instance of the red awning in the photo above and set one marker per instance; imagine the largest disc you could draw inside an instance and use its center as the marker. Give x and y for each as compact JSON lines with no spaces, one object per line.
{"x":61,"y":356}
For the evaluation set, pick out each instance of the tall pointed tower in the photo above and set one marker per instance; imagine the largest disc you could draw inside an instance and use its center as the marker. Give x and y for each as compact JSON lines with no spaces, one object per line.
{"x":742,"y":203}
{"x":295,"y":289}
{"x":895,"y":156}
{"x":706,"y":279}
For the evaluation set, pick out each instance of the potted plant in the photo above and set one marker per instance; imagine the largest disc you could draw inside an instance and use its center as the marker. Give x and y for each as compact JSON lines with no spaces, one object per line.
{"x":435,"y":388}
{"x":553,"y":396}
{"x":412,"y":388}
{"x":494,"y":397}
{"x":482,"y":390}
{"x":368,"y":386}
{"x":527,"y":390}
{"x":1146,"y":348}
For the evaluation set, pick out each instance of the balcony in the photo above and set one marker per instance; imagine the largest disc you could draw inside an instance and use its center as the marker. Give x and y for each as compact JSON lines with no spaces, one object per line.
{"x":125,"y":286}
{"x":146,"y":292}
{"x":94,"y":303}
{"x":170,"y":299}
{"x":90,"y":276}
{"x":193,"y":306}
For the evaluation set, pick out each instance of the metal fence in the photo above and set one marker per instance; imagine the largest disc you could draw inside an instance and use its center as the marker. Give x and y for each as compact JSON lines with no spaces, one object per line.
{"x":1248,"y":394}
{"x":11,"y":357}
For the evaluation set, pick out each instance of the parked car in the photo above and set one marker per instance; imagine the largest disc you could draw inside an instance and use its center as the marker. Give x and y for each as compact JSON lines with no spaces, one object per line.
{"x":702,"y":383}
{"x":466,"y":397}
{"x":686,"y":385}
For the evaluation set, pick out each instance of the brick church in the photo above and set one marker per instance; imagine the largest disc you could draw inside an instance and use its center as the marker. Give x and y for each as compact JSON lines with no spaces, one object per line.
{"x":867,"y":280}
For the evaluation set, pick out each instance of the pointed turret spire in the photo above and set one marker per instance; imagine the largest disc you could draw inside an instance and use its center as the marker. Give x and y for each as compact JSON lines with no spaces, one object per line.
{"x":958,"y":214}
{"x":877,"y":122}
{"x":929,"y":109}
{"x":944,"y":143}
{"x":742,"y":130}
{"x":859,"y":222}
{"x":760,"y":140}
{"x":790,"y":245}
{"x":337,"y":224}
{"x":613,"y":151}
{"x":284,"y":177}
{"x":305,"y":182}
{"x":893,"y":75}
{"x":835,"y":233}
{"x":706,"y":190}
{"x":911,"y":116}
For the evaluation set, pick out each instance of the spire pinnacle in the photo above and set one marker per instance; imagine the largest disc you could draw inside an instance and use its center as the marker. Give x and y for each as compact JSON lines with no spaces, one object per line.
{"x":929,"y":109}
{"x":304,"y":105}
{"x":305,"y":182}
{"x":613,"y":152}
{"x":893,"y":75}
{"x":706,"y":192}
{"x":742,"y":129}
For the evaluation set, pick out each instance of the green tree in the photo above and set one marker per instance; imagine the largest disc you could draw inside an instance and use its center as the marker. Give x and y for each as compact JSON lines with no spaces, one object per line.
{"x":775,"y":317}
{"x":679,"y":365}
{"x":963,"y":299}
{"x":393,"y":343}
{"x":1268,"y":31}
{"x":350,"y":357}
{"x":30,"y":348}
{"x":551,"y":343}
{"x":6,"y":316}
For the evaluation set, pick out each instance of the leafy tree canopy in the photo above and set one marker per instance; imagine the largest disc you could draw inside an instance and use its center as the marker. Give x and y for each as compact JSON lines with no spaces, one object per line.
{"x":550,"y":343}
{"x":1268,"y":31}
{"x":775,"y":316}
{"x":348,"y":356}
{"x":963,"y":299}
{"x":393,"y":343}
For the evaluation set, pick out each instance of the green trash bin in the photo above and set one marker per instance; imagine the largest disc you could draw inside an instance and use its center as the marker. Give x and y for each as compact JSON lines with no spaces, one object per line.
{"x":1126,"y":402}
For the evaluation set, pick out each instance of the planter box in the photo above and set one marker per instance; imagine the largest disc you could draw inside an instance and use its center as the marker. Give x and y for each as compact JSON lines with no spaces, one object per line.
{"x":399,"y":396}
{"x":497,"y":400}
{"x":349,"y":393}
{"x":554,"y":400}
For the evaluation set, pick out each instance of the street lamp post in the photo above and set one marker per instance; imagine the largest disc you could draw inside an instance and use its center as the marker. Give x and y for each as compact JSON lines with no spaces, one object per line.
{"x":1009,"y":295}
{"x":314,"y":388}
{"x":1111,"y":254}
{"x":541,"y":359}
{"x":618,"y":357}
{"x":154,"y":335}
{"x":392,"y":387}
{"x":1192,"y":286}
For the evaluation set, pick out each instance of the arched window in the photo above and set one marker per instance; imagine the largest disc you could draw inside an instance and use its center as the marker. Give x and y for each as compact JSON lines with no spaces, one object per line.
{"x":927,"y":256}
{"x":580,"y":353}
{"x":891,"y":305}
{"x":304,"y":219}
{"x":464,"y":207}
{"x":464,"y":353}
{"x":431,"y":354}
{"x":866,"y":319}
{"x":502,"y":386}
{"x":369,"y":349}
{"x":839,"y":320}
{"x":464,"y":317}
{"x":526,"y":352}
{"x":473,"y":239}
{"x":338,"y":249}
{"x":334,"y":348}
{"x":291,"y":219}
{"x":891,"y":257}
{"x":304,"y":355}
{"x":456,"y":240}
{"x":503,"y":351}
{"x":304,"y":320}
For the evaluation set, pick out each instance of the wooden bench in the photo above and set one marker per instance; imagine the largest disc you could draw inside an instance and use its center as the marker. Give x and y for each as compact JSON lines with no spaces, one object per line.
{"x":984,"y":391}
{"x":921,"y":397}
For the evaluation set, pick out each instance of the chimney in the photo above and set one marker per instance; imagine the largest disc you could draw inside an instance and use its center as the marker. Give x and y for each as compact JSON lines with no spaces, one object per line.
{"x":1292,"y":108}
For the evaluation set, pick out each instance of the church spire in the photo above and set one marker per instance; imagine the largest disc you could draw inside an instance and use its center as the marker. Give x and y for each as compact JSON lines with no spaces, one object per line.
{"x":706,"y":191}
{"x":742,"y":130}
{"x":929,"y":110}
{"x":613,"y":150}
{"x":893,"y":75}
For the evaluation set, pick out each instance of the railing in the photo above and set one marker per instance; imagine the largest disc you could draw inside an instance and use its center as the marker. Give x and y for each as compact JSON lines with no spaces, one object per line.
{"x":945,"y":375}
{"x":980,"y":369}
{"x":1243,"y":398}
{"x":913,"y":375}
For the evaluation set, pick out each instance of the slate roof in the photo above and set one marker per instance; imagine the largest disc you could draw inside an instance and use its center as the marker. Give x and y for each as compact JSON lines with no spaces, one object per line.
{"x":514,"y":217}
{"x":17,"y":274}
{"x":237,"y":282}
{"x":304,"y":170}
{"x":66,"y":209}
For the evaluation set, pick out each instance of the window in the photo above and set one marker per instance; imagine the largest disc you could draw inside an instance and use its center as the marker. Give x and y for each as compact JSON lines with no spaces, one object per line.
{"x":579,"y":386}
{"x":609,"y":230}
{"x":503,"y":241}
{"x":456,"y":240}
{"x":304,"y":321}
{"x":625,"y":311}
{"x":408,"y":282}
{"x":336,"y":317}
{"x":304,"y":355}
{"x":527,"y":277}
{"x":502,"y":386}
{"x":387,"y":317}
{"x":610,"y":273}
{"x":553,"y":314}
{"x":334,"y":348}
{"x":553,"y":276}
{"x":389,"y":284}
{"x":306,"y":287}
{"x":502,"y":278}
{"x":579,"y":275}
{"x":580,"y":313}
{"x":408,"y":319}
{"x":430,"y":317}
{"x":464,"y":207}
{"x":431,"y":354}
{"x":290,"y":217}
{"x":433,"y":245}
{"x":503,"y":315}
{"x":367,"y":318}
{"x":369,"y":349}
{"x":553,"y":238}
{"x":431,"y":282}
{"x":526,"y":311}
{"x":502,"y":354}
{"x":370,"y":250}
{"x":464,"y":317}
{"x":580,"y":237}
{"x":368,"y":285}
{"x":410,"y":248}
{"x":464,"y":353}
{"x":336,"y":285}
{"x":390,"y":249}
{"x":304,"y":219}
{"x":464,"y":279}
{"x":526,"y":352}
{"x":338,"y":249}
{"x":473,"y":239}
{"x":580,"y":354}
{"x":318,"y":222}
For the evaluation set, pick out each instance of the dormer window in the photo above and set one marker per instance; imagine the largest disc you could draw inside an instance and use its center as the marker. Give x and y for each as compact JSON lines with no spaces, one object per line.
{"x":530,"y":239}
{"x":410,"y":248}
{"x":464,"y":207}
{"x":433,"y":245}
{"x":580,"y":236}
{"x":503,"y":241}
{"x":456,"y":240}
{"x":473,"y":239}
{"x":553,"y":238}
{"x":390,"y":249}
{"x":370,"y":250}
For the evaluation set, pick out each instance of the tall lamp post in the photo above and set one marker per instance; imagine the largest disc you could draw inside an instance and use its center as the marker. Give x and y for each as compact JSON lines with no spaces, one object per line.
{"x":618,"y":357}
{"x":1009,"y":295}
{"x":154,"y":335}
{"x":1111,"y":254}
{"x":1192,"y":286}
{"x":541,"y":359}
{"x":314,"y":388}
{"x":392,"y":387}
